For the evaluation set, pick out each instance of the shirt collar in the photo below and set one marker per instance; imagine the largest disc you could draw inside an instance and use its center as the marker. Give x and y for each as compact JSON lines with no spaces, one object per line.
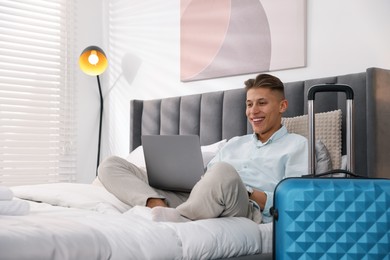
{"x":277,"y":135}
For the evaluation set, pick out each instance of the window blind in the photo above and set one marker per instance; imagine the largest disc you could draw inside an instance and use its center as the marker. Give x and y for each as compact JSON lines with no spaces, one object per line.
{"x":37,"y":117}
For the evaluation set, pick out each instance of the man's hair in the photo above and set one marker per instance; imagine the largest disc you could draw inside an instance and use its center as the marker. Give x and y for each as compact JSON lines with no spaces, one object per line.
{"x":265,"y":81}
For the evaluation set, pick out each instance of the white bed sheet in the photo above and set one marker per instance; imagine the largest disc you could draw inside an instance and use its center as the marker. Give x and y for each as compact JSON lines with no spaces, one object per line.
{"x":90,"y":220}
{"x":50,"y":233}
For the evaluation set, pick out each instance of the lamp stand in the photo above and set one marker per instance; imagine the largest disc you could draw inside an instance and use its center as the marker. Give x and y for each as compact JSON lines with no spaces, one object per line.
{"x":100,"y":124}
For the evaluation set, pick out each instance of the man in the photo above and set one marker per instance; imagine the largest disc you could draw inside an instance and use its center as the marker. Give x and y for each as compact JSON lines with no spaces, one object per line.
{"x":240,"y":180}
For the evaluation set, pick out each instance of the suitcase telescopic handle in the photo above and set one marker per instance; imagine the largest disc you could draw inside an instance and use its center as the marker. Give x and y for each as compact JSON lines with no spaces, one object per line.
{"x":349,"y":122}
{"x":330,"y":88}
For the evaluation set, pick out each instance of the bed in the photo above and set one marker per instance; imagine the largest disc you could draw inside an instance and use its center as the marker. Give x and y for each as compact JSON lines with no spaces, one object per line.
{"x":85,"y":221}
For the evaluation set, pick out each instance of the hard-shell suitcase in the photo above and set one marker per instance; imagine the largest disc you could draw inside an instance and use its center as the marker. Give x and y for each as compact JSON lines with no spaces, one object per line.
{"x":332,"y":217}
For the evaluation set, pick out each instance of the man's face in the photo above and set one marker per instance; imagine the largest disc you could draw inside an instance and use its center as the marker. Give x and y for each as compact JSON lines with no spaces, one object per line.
{"x":264,"y":109}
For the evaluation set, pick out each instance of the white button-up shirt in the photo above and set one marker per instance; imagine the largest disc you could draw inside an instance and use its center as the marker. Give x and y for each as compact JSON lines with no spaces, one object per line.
{"x":263,"y":165}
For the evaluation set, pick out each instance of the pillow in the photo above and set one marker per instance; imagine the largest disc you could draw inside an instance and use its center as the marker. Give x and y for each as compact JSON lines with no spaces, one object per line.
{"x":323,"y":160}
{"x":208,"y":152}
{"x":72,"y":195}
{"x":136,"y":157}
{"x":327,"y":129}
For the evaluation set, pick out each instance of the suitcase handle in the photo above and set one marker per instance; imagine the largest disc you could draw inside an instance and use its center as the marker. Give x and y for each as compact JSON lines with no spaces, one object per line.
{"x":349,"y":122}
{"x":330,"y":173}
{"x":330,"y":88}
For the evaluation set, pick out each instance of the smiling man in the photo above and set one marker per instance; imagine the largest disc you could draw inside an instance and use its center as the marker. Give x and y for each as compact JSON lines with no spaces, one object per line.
{"x":265,"y":105}
{"x":241,"y":179}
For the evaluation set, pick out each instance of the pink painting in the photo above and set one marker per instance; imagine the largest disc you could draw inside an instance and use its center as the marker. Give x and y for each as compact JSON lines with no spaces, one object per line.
{"x":221,"y":38}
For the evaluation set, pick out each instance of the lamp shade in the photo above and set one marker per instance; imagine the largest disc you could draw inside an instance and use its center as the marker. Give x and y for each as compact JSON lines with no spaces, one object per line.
{"x":93,"y":61}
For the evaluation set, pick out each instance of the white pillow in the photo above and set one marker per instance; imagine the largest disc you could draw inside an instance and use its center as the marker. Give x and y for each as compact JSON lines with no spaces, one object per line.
{"x":208,"y":152}
{"x":73,"y":195}
{"x":136,"y":157}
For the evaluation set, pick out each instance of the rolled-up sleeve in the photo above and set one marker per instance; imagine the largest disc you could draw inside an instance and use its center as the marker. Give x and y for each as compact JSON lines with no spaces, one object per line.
{"x":268,"y":204}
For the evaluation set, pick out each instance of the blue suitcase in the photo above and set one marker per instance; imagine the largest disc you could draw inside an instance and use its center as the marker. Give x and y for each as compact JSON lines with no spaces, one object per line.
{"x":332,"y":217}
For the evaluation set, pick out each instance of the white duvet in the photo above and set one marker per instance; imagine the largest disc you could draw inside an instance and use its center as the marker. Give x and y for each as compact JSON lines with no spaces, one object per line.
{"x":82,"y":221}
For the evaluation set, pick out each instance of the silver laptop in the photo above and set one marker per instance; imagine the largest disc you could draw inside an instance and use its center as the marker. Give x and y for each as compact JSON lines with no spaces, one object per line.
{"x":173,"y":162}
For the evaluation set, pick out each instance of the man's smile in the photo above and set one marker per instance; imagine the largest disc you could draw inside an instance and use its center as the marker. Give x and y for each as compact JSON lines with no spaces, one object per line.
{"x":257,"y":119}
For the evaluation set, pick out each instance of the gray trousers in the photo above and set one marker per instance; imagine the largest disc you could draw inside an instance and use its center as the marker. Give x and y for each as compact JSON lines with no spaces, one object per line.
{"x":219,"y":193}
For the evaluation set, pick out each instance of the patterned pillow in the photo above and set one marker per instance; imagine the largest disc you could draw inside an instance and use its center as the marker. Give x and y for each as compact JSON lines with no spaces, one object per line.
{"x":327,"y":129}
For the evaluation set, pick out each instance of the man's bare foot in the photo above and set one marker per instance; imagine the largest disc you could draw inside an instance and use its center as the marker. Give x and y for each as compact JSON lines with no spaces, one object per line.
{"x":155,"y":202}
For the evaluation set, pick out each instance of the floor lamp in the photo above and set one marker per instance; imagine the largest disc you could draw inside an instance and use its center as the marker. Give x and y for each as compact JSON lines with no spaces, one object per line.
{"x":93,"y":62}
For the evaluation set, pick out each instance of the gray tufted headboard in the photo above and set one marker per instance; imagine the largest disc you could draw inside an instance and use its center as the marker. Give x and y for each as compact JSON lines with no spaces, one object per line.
{"x":221,"y":115}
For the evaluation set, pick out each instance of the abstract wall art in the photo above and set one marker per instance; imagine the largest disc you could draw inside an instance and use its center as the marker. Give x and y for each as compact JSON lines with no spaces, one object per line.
{"x":220,"y":38}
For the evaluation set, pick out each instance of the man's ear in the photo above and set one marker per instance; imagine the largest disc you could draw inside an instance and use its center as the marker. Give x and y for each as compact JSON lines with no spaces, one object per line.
{"x":283,"y":106}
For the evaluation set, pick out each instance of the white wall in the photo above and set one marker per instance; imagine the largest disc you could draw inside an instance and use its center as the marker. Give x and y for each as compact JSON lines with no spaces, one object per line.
{"x":142,"y":42}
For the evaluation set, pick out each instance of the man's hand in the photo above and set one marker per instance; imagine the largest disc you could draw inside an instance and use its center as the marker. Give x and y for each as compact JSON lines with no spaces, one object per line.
{"x":259,"y":197}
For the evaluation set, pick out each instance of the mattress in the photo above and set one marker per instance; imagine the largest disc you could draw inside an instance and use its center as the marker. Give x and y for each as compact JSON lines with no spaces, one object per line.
{"x":83,"y":221}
